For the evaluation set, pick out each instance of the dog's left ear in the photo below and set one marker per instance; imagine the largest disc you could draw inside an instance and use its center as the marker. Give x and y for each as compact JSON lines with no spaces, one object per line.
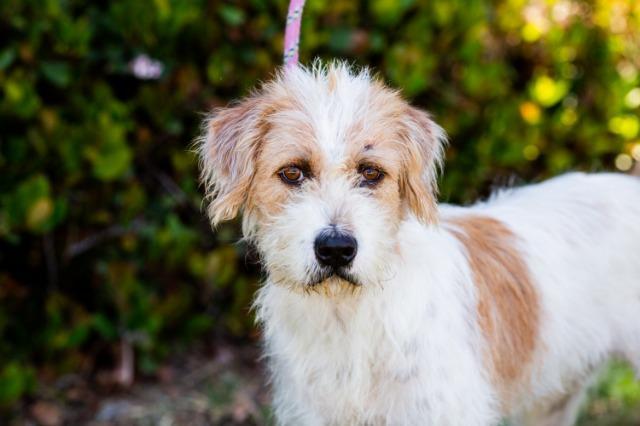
{"x":227,"y":152}
{"x":424,"y":143}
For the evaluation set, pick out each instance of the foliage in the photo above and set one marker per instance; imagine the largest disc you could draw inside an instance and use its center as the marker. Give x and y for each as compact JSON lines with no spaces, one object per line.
{"x":102,"y":239}
{"x":615,"y":400}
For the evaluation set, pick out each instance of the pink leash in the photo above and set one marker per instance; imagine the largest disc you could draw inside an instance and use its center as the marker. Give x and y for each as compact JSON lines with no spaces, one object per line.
{"x":292,"y":33}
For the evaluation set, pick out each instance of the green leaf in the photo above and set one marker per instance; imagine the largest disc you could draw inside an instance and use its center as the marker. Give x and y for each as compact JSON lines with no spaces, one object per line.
{"x":112,"y":162}
{"x":626,"y":125}
{"x":104,"y":327}
{"x":31,"y":204}
{"x":547,"y":91}
{"x":57,"y":73}
{"x":6,"y":58}
{"x":232,"y":15}
{"x":15,"y":381}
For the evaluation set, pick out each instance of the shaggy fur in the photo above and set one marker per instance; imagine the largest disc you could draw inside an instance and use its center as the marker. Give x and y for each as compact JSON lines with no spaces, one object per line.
{"x":447,"y":315}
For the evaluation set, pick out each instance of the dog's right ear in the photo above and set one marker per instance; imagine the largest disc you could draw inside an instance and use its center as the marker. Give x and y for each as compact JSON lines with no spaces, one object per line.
{"x":227,"y":152}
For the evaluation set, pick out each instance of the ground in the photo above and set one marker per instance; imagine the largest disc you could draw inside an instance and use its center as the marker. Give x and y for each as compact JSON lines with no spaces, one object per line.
{"x":228,"y":387}
{"x":203,"y":389}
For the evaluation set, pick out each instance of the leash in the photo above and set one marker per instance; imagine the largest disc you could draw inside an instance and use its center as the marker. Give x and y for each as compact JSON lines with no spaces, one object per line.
{"x":292,"y":33}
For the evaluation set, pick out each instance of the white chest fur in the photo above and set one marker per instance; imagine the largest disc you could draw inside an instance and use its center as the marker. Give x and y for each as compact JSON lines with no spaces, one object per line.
{"x":408,"y":348}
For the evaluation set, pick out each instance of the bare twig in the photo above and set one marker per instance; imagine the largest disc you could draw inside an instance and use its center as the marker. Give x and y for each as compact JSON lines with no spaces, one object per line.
{"x":50,"y":260}
{"x":98,"y":238}
{"x":170,"y":186}
{"x":124,"y":372}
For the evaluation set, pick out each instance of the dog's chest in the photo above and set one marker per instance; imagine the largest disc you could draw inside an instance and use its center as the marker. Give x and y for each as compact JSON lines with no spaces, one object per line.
{"x":355,"y":363}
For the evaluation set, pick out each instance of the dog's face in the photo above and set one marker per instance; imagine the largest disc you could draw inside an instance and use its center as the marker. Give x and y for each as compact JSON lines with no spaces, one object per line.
{"x":325,"y":165}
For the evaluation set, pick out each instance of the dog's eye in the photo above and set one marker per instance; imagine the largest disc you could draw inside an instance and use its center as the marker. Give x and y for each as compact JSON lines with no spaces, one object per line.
{"x":291,"y":175}
{"x":371,"y":175}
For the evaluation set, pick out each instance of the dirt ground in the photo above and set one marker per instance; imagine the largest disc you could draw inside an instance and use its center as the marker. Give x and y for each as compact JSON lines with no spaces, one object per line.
{"x":222,"y":388}
{"x":225,"y":388}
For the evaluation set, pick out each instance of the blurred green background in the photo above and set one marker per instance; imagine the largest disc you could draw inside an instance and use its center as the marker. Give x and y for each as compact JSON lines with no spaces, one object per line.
{"x":106,"y":259}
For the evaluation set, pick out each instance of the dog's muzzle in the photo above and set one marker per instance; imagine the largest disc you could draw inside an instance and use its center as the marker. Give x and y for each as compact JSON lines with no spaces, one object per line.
{"x":335,"y":249}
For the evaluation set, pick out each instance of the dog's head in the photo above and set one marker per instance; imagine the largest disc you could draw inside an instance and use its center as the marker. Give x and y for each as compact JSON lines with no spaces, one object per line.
{"x":325,"y":164}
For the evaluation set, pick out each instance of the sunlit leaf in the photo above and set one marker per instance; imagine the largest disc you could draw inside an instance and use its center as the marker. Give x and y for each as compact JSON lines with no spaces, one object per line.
{"x":547,"y":92}
{"x":627,"y":125}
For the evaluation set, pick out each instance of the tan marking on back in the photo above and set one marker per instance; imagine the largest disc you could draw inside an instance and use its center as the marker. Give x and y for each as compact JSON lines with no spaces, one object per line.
{"x":508,"y":305}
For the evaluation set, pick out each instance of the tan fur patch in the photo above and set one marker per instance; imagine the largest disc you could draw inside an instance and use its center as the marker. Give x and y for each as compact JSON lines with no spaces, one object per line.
{"x":228,"y":157}
{"x":508,"y":304}
{"x":418,"y":187}
{"x":284,"y":144}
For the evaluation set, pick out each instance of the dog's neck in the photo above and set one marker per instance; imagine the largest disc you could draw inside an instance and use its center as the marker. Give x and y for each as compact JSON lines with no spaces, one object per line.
{"x":383,"y":333}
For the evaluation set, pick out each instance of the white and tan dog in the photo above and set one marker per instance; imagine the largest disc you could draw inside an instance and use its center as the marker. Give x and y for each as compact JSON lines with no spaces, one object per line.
{"x":381,"y":307}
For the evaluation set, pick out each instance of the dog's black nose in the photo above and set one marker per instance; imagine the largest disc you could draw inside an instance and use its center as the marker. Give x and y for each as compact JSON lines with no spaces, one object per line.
{"x":335,"y":249}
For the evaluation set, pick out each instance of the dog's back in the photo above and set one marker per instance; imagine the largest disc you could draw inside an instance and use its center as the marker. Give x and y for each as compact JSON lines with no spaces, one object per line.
{"x":580,"y":237}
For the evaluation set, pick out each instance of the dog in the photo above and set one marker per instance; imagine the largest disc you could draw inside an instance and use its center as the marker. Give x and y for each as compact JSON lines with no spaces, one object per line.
{"x":381,"y":306}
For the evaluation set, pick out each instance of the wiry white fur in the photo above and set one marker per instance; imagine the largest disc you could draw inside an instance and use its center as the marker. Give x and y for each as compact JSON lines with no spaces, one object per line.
{"x":402,"y":352}
{"x":405,"y":348}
